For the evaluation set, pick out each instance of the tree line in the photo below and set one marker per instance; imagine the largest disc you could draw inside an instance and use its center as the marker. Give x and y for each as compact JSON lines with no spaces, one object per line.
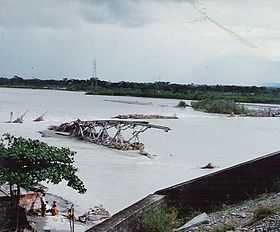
{"x":151,"y":89}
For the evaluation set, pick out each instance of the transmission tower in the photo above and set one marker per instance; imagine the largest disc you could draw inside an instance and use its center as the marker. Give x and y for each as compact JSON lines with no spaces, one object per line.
{"x":94,"y":78}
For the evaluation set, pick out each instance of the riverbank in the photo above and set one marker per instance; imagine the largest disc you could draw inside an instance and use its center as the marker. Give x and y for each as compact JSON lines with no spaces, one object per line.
{"x":250,"y":94}
{"x":220,"y":106}
{"x":240,"y":198}
{"x":258,"y":214}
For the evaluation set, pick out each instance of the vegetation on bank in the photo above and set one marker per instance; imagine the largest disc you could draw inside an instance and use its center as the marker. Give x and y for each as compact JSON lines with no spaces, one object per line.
{"x":27,"y":162}
{"x":219,"y":106}
{"x":161,"y":220}
{"x":224,"y":228}
{"x":262,"y":212}
{"x":248,"y":94}
{"x":182,"y":104}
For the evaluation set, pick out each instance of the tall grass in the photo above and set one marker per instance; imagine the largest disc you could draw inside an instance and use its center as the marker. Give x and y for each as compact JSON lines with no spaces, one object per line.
{"x":161,"y":220}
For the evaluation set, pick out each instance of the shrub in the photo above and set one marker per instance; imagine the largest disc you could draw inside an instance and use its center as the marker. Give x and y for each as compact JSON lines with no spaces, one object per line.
{"x":262,"y":212}
{"x":182,"y":104}
{"x":219,"y":106}
{"x":161,"y":220}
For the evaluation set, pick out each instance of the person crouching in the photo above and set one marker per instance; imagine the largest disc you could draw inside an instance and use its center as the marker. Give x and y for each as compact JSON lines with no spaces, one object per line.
{"x":54,"y":209}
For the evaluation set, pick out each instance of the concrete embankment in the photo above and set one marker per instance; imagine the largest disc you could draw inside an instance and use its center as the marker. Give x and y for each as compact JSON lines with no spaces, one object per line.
{"x":128,"y":219}
{"x":230,"y":185}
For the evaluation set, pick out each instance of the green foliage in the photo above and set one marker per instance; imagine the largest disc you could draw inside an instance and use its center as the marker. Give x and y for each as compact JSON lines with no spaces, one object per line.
{"x":219,"y":106}
{"x":161,"y":220}
{"x":26,"y":162}
{"x":251,"y":94}
{"x":262,"y":212}
{"x":224,"y":228}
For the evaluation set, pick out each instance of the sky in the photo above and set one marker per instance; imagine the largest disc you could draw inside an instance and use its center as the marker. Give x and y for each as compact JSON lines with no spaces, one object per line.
{"x":182,"y":41}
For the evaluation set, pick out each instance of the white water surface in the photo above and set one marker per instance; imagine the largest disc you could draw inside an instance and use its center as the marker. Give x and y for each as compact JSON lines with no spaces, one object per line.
{"x":117,"y":179}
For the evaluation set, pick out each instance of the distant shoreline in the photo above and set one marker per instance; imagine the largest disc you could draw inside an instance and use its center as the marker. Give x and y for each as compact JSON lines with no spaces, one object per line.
{"x":165,"y":90}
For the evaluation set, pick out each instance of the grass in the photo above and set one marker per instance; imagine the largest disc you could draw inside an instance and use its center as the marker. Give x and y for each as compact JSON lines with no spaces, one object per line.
{"x":224,"y":228}
{"x":261,"y":213}
{"x":161,"y":220}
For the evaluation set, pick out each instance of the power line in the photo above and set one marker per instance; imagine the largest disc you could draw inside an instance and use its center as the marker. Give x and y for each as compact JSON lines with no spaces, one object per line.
{"x":233,"y":34}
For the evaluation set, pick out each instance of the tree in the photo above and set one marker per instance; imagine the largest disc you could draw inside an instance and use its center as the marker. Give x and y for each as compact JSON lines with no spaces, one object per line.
{"x":26,"y":162}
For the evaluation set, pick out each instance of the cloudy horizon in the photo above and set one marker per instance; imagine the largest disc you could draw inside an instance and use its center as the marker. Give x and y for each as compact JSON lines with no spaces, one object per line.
{"x":182,"y":41}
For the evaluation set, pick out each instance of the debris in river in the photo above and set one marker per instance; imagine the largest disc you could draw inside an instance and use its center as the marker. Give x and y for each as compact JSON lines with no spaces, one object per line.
{"x":144,"y":116}
{"x":270,"y":112}
{"x":95,"y":214}
{"x":40,"y":118}
{"x":20,"y":118}
{"x":144,"y":153}
{"x":182,"y":104}
{"x":208,"y":166}
{"x":129,"y":102}
{"x":11,"y":117}
{"x":107,"y":132}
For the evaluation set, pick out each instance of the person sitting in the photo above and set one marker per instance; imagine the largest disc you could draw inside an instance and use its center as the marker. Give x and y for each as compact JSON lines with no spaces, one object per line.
{"x":54,"y":209}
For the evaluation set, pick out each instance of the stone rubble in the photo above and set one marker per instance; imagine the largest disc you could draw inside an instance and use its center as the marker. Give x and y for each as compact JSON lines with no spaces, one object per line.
{"x":241,"y":216}
{"x":196,"y":221}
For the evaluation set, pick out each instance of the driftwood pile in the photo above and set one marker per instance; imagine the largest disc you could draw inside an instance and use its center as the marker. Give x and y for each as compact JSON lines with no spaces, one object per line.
{"x":96,"y":214}
{"x":116,"y":134}
{"x":265,"y":113}
{"x":144,"y":116}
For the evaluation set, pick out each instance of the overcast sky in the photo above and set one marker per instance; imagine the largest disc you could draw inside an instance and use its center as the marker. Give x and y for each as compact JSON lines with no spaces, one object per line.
{"x":199,"y":41}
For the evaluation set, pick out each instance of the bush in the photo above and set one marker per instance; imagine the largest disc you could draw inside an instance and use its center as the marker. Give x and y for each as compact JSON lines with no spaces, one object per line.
{"x":161,"y":220}
{"x":262,"y":212}
{"x":182,"y":104}
{"x":219,"y":106}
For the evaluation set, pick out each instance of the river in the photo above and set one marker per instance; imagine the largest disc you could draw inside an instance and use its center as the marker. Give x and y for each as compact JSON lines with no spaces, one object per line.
{"x":117,"y":179}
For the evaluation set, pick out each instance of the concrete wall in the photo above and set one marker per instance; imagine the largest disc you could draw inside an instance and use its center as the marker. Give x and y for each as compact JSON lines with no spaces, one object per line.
{"x":225,"y":186}
{"x":129,"y":219}
{"x":228,"y":185}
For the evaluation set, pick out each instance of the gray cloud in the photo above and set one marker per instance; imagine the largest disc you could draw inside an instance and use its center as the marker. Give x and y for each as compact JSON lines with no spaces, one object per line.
{"x":131,"y":13}
{"x":139,"y":40}
{"x":36,"y":13}
{"x":68,"y":13}
{"x":237,"y":70}
{"x":125,"y":13}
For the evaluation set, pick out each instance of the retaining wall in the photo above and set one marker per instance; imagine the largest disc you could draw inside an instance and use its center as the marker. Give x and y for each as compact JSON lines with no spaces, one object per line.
{"x":229,"y":185}
{"x":129,"y":219}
